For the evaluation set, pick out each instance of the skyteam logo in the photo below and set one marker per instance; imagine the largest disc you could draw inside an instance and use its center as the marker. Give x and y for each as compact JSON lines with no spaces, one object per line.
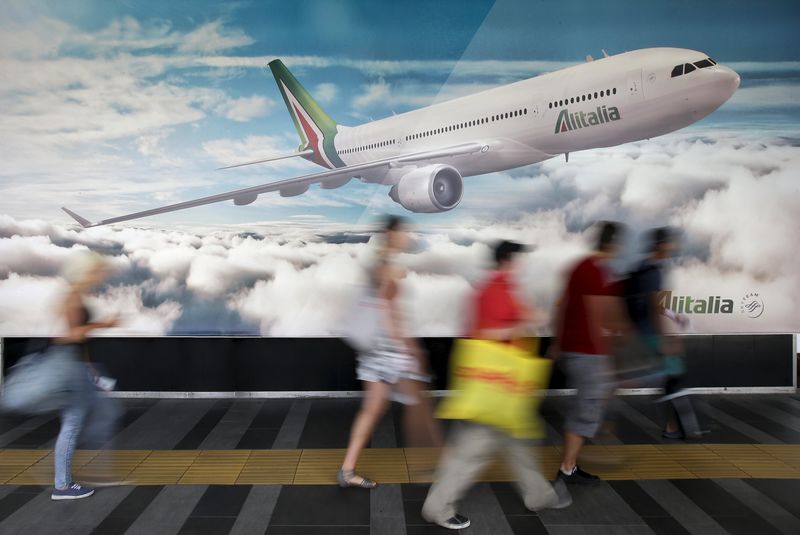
{"x":752,"y":305}
{"x":567,"y":121}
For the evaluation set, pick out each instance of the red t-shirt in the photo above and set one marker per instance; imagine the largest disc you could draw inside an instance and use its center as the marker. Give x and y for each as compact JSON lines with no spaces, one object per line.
{"x":496,"y":306}
{"x":588,"y":278}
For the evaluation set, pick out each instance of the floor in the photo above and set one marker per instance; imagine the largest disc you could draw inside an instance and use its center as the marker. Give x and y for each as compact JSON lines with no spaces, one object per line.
{"x":250,"y":466}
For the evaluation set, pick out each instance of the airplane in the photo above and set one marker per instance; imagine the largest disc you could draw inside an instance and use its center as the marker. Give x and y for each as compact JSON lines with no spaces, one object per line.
{"x":423,"y":155}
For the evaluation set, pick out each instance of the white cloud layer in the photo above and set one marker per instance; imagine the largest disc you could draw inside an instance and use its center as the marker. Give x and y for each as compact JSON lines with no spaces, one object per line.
{"x":734,"y":197}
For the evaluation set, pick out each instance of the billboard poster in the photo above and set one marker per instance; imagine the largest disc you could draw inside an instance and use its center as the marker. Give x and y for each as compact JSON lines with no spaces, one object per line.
{"x":232,"y":161}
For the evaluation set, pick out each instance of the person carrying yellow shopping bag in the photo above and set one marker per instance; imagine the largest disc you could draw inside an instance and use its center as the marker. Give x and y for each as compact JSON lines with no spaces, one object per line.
{"x":495,"y":402}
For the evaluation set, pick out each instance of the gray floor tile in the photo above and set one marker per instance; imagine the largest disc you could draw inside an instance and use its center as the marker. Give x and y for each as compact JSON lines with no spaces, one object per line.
{"x":292,"y":428}
{"x":592,"y":505}
{"x":169,"y":511}
{"x":151,"y":432}
{"x":681,"y":508}
{"x":604,"y":529}
{"x":43,"y":516}
{"x":485,"y":513}
{"x":756,"y":435}
{"x":762,"y":505}
{"x":233,"y":425}
{"x":386,"y":513}
{"x":257,"y":510}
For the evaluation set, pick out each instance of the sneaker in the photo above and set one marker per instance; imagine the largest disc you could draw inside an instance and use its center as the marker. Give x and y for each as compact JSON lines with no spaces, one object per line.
{"x":455,"y":522}
{"x":564,"y":496}
{"x":699,"y":434}
{"x":72,"y":492}
{"x":680,"y":435}
{"x":577,"y":477}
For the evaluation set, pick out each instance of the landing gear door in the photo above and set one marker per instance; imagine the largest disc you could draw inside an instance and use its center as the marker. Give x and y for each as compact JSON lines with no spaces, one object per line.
{"x":635,"y":92}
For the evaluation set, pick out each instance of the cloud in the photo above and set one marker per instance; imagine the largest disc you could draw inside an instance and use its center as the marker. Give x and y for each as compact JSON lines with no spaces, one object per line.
{"x":245,"y":108}
{"x":227,"y":151}
{"x":734,"y":197}
{"x":326,"y":92}
{"x":767,"y":96}
{"x":213,"y":37}
{"x":412,"y":95}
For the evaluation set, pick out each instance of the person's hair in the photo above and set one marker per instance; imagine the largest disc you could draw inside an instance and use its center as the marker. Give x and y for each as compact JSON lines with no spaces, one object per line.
{"x":392,"y":222}
{"x":80,"y":265}
{"x":505,"y":250}
{"x":657,"y":237}
{"x":607,"y":235}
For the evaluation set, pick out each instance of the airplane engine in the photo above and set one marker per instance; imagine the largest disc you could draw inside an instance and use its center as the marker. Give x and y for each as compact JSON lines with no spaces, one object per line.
{"x":433,"y":188}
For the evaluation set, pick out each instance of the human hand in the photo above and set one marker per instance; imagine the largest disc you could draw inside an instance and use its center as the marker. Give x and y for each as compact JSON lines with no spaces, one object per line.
{"x":111,"y":322}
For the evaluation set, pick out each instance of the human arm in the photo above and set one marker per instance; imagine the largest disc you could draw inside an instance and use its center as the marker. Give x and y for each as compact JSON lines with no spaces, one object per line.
{"x":78,"y":329}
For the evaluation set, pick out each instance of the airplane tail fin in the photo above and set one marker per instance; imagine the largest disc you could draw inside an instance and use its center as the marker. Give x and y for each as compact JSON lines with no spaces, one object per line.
{"x":315,"y":127}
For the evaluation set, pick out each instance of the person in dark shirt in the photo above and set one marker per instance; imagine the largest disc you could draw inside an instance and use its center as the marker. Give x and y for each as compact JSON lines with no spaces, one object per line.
{"x":588,"y":308}
{"x":650,"y":319}
{"x":501,"y":316}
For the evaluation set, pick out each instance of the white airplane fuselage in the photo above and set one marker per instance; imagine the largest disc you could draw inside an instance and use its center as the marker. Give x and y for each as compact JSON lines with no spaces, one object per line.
{"x":424,"y":154}
{"x":646,"y":101}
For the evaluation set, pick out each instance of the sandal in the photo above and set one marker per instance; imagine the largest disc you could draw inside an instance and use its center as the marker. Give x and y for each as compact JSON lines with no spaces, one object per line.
{"x":345,"y":479}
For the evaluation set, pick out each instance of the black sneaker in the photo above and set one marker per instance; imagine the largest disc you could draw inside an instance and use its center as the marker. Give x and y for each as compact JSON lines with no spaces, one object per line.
{"x":577,"y":477}
{"x":455,"y":522}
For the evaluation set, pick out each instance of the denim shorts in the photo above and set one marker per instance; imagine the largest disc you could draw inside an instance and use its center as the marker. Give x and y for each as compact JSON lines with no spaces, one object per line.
{"x":593,"y":378}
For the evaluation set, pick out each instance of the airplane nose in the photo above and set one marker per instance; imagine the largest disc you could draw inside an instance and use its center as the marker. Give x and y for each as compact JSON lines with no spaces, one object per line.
{"x":728,"y":80}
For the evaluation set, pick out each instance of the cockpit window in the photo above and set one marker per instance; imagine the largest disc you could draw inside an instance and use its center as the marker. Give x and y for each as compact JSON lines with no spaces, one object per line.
{"x":686,"y":68}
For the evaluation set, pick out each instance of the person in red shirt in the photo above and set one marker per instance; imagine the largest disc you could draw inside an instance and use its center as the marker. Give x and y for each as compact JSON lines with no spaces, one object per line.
{"x":588,"y":307}
{"x":499,"y":315}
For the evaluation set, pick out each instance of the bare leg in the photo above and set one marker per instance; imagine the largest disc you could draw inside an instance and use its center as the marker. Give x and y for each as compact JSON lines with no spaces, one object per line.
{"x":376,"y":401}
{"x":421,"y":429}
{"x":572,"y":447}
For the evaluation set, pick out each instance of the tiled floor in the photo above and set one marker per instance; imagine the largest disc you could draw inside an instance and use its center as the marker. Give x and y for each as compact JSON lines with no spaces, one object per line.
{"x":397,"y":465}
{"x":250,"y":466}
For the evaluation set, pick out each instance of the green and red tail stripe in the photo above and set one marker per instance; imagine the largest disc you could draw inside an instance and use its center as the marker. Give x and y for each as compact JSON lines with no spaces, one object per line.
{"x":315,"y":127}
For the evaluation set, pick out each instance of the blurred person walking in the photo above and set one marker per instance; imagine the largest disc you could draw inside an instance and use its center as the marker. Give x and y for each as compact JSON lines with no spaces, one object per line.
{"x":651,"y":319}
{"x":395,"y":364}
{"x":588,"y":308}
{"x":84,"y":408}
{"x":499,"y":316}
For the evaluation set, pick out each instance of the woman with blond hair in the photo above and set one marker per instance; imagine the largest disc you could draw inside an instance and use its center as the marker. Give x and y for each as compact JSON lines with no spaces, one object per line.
{"x":83,"y":272}
{"x":397,"y":363}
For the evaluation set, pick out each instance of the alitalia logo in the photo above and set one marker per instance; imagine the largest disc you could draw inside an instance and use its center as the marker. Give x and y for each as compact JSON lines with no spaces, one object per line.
{"x":686,"y":304}
{"x":567,"y":121}
{"x":751,"y":305}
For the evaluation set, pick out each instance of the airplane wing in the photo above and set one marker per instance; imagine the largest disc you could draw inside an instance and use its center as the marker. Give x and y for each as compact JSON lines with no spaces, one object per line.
{"x":308,"y":152}
{"x":248,"y":195}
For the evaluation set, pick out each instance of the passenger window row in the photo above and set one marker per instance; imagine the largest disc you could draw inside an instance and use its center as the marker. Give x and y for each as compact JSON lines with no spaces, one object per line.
{"x":368,"y":147}
{"x":468,"y":124}
{"x":582,"y":98}
{"x":686,"y":68}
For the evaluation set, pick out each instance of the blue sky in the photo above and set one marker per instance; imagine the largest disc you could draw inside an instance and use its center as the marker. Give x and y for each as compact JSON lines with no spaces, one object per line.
{"x":119,"y":106}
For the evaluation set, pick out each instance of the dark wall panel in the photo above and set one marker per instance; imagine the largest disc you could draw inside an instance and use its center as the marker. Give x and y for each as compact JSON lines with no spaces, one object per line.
{"x":328,"y":364}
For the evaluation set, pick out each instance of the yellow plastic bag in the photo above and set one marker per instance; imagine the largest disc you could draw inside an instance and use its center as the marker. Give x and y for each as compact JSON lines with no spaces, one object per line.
{"x":497,"y":384}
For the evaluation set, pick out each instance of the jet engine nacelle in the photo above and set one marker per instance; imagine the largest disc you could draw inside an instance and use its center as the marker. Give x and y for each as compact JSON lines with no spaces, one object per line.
{"x":433,"y":188}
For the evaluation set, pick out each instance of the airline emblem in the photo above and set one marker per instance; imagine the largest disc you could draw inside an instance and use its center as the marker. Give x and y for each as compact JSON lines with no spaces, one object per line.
{"x":567,"y":121}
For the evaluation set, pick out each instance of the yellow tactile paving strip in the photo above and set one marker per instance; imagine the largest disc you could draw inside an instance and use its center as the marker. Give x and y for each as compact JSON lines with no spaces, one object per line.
{"x":409,"y":465}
